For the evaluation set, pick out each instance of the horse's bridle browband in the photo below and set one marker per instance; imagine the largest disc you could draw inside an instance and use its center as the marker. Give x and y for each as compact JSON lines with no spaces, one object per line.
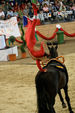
{"x":56,"y":59}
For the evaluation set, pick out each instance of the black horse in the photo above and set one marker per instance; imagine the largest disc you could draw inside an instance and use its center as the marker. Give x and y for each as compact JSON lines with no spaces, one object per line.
{"x":49,"y":83}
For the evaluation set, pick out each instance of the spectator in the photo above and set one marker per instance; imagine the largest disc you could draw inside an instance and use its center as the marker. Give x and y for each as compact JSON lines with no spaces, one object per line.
{"x":18,"y":1}
{"x":25,"y":11}
{"x":40,"y":1}
{"x":6,"y":8}
{"x":10,"y":13}
{"x":61,"y":4}
{"x":53,"y":17}
{"x":1,"y":2}
{"x":22,"y":6}
{"x":2,"y":15}
{"x":41,"y":17}
{"x":50,"y":8}
{"x":3,"y":6}
{"x":20,"y":13}
{"x":63,"y":8}
{"x":45,"y":2}
{"x":27,"y":1}
{"x":16,"y":7}
{"x":70,"y":3}
{"x":15,"y":13}
{"x":67,"y":7}
{"x":30,"y":11}
{"x":56,"y":6}
{"x":45,"y":8}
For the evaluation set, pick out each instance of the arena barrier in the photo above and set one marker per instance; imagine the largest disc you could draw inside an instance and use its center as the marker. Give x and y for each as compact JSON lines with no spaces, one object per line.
{"x":55,"y":32}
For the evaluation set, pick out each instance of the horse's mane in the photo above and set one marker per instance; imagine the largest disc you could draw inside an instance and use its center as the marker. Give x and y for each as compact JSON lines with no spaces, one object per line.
{"x":57,"y":65}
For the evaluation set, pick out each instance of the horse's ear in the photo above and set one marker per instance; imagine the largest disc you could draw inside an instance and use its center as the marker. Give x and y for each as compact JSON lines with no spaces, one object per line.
{"x":55,"y":43}
{"x":56,"y":46}
{"x":49,"y":43}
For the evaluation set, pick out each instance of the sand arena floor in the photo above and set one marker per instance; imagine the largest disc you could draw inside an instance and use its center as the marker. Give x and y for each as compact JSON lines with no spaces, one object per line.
{"x":17,"y":79}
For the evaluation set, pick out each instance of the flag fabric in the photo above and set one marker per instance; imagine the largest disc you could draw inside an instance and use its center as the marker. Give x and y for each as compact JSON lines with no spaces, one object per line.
{"x":25,"y":21}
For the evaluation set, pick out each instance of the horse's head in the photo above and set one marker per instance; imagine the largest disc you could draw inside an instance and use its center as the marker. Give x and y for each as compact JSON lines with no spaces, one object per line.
{"x":52,"y":49}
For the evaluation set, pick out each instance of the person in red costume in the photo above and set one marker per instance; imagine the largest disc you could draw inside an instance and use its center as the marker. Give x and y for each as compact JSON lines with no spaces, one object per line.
{"x":35,"y":9}
{"x":31,"y":41}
